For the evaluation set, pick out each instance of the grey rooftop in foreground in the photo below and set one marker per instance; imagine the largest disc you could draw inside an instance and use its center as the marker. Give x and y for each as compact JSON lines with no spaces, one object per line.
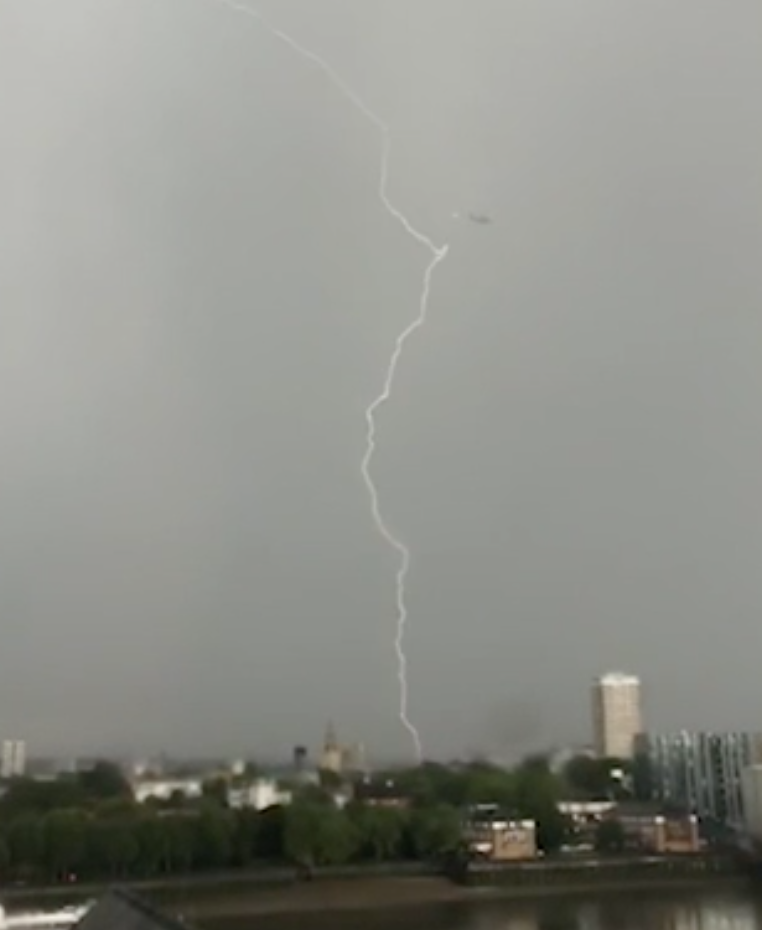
{"x":122,"y":910}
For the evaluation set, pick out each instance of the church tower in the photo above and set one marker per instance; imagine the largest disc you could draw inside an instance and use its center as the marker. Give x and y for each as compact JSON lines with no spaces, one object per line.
{"x":332,"y":757}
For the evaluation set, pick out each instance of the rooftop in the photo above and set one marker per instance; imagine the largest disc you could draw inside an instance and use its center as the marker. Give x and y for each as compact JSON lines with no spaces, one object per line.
{"x":618,"y":678}
{"x":123,"y":910}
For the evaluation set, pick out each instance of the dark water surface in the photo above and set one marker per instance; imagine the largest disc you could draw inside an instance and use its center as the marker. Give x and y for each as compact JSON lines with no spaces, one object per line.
{"x":695,"y":911}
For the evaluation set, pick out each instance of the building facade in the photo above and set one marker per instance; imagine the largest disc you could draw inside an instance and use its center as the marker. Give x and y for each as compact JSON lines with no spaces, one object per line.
{"x":13,"y":758}
{"x":489,"y":835}
{"x":332,"y":756}
{"x":665,"y":834}
{"x":751,"y":796}
{"x":617,"y":715}
{"x":701,"y":772}
{"x":259,"y":795}
{"x":165,"y":789}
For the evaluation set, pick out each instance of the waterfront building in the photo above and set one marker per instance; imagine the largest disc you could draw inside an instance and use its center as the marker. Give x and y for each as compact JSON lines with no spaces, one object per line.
{"x":650,"y":830}
{"x":491,"y":835}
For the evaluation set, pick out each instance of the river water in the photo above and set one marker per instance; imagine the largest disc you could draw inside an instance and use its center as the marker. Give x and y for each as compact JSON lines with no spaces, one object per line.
{"x":729,"y":911}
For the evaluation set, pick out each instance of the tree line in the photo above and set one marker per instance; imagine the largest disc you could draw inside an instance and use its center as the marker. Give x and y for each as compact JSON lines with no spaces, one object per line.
{"x":89,"y":826}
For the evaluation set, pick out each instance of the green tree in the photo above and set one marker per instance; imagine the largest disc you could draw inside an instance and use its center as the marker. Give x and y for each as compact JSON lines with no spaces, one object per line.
{"x":536,"y":786}
{"x":154,"y":855}
{"x":271,"y":830}
{"x":424,"y":784}
{"x":26,"y":844}
{"x":180,"y":840}
{"x":435,"y":831}
{"x":300,"y":838}
{"x":178,"y":800}
{"x":318,"y":835}
{"x":610,"y":837}
{"x":216,"y":789}
{"x":118,"y":808}
{"x":489,"y":784}
{"x":215,"y":833}
{"x":329,"y":780}
{"x":538,"y":793}
{"x":5,"y":856}
{"x":441,"y":784}
{"x":114,"y":842}
{"x":379,"y":830}
{"x":598,"y":778}
{"x":314,"y":794}
{"x":246,"y":837}
{"x":25,"y":795}
{"x":104,"y":781}
{"x":65,"y":841}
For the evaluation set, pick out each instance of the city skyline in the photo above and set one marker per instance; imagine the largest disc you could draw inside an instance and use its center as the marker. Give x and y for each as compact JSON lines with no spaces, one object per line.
{"x":617,"y":730}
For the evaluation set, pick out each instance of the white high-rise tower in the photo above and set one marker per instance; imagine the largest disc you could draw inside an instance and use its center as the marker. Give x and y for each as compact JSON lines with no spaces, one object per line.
{"x":617,"y":714}
{"x":13,"y":758}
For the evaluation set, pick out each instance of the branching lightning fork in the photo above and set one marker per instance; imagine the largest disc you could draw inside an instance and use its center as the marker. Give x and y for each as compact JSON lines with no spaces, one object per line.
{"x":437,"y":254}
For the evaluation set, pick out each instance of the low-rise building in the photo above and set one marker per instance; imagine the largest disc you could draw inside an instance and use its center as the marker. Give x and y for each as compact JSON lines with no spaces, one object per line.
{"x":581,"y":813}
{"x":490,"y":834}
{"x":649,"y":829}
{"x":259,"y":795}
{"x":165,"y":789}
{"x":583,"y":818}
{"x":677,"y":835}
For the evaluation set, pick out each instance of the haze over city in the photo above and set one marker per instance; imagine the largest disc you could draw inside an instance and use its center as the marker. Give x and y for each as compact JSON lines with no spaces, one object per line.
{"x":199,"y":292}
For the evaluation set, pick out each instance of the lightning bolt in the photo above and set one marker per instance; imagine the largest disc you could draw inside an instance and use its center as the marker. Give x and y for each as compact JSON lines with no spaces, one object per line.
{"x":437,"y":254}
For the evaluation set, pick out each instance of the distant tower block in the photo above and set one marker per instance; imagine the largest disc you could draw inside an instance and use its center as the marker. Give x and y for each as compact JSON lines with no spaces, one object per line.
{"x":300,"y":758}
{"x":617,"y":715}
{"x":13,"y":758}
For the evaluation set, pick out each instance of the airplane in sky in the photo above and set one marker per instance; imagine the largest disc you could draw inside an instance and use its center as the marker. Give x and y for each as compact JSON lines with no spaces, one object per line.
{"x":480,"y":218}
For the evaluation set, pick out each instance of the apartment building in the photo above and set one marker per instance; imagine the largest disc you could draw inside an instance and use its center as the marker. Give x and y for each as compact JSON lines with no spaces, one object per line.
{"x":617,"y":715}
{"x":701,"y":772}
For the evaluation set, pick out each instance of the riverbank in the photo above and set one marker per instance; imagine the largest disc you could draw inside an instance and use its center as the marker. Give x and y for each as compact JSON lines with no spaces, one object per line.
{"x":205,"y":901}
{"x":409,"y":893}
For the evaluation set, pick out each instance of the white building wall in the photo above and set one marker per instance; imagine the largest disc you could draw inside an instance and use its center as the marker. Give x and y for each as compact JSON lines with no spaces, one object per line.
{"x":259,"y":795}
{"x":617,"y":715}
{"x":162,"y":790}
{"x":13,"y":759}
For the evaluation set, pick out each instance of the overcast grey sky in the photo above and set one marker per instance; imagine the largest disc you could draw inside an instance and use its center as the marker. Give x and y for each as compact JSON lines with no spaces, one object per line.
{"x":198,"y":294}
